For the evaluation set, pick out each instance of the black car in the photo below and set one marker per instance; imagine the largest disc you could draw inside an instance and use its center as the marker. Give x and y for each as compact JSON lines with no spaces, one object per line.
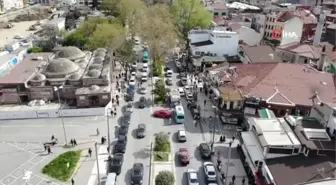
{"x":195,"y":112}
{"x":122,"y":139}
{"x":184,"y":81}
{"x":166,"y":68}
{"x":116,"y":163}
{"x":169,"y":81}
{"x":123,"y":130}
{"x":141,"y":131}
{"x":142,"y":102}
{"x":137,"y":174}
{"x":119,"y":148}
{"x":205,"y":150}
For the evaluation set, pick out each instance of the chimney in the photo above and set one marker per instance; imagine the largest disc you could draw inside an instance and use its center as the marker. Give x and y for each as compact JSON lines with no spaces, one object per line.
{"x":320,"y":62}
{"x":319,"y":28}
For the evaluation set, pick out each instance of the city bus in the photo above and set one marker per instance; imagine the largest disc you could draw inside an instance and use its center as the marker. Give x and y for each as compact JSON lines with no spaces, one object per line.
{"x":179,"y":114}
{"x":145,"y":57}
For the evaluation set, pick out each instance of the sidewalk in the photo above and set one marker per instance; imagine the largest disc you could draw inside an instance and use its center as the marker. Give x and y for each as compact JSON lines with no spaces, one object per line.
{"x":235,"y":167}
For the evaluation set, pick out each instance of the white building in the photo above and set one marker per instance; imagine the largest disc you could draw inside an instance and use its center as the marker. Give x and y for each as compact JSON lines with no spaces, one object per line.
{"x":58,"y":24}
{"x":9,"y":4}
{"x":213,"y":42}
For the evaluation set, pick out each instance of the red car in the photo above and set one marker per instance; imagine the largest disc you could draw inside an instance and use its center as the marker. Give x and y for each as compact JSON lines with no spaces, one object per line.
{"x":184,"y":156}
{"x":162,"y":113}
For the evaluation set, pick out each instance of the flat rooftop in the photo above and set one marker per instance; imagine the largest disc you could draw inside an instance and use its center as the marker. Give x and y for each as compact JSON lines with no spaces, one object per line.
{"x":275,"y":131}
{"x":314,"y":144}
{"x":24,"y":70}
{"x":299,"y":169}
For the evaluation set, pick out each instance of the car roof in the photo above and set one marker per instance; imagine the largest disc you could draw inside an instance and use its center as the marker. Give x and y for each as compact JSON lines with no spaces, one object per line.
{"x":182,"y":132}
{"x":141,"y":125}
{"x":137,"y":165}
{"x":122,"y":137}
{"x":193,"y":174}
{"x":210,"y":166}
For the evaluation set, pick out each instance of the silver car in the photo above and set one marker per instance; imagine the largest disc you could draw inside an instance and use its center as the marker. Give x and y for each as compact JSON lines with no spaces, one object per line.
{"x":129,"y":107}
{"x":192,"y":177}
{"x":210,"y":171}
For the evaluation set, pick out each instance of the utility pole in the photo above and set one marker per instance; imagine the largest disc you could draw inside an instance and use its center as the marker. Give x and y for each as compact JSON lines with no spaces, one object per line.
{"x":57,"y":89}
{"x":213,"y":124}
{"x":227,"y":164}
{"x":97,"y":163}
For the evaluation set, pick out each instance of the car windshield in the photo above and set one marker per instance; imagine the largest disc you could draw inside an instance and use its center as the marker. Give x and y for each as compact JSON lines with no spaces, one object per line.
{"x":211,"y":173}
{"x":180,"y":117}
{"x":132,"y":80}
{"x":137,"y":172}
{"x":193,"y":180}
{"x":129,"y":105}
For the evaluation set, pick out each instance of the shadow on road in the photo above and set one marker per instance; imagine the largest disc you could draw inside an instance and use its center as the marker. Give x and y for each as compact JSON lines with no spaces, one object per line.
{"x":143,"y":153}
{"x":127,"y":178}
{"x":197,"y":154}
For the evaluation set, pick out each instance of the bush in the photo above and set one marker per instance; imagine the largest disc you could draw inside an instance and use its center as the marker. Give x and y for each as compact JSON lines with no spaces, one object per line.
{"x":162,"y":143}
{"x":160,"y":91}
{"x":157,"y":68}
{"x":165,"y":178}
{"x":35,"y":49}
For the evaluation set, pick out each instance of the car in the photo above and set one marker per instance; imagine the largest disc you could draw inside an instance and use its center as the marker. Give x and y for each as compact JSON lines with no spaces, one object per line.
{"x":181,"y":91}
{"x":210,"y":171}
{"x":169,"y":81}
{"x":133,"y":74}
{"x":184,"y":156}
{"x":142,"y":102}
{"x":145,"y":68}
{"x":144,"y":77}
{"x":127,"y":117}
{"x":162,"y":113}
{"x":184,"y":81}
{"x":192,"y":177}
{"x":141,"y":131}
{"x":18,"y":37}
{"x":132,"y":81}
{"x":123,"y":130}
{"x":142,"y":90}
{"x":205,"y":150}
{"x":129,"y":107}
{"x":187,"y":89}
{"x":183,"y":75}
{"x":195,"y":112}
{"x":178,"y":65}
{"x":122,"y":139}
{"x":119,"y":148}
{"x":181,"y":135}
{"x":137,"y":174}
{"x":134,"y":65}
{"x":116,"y":163}
{"x":166,"y":68}
{"x":189,"y":96}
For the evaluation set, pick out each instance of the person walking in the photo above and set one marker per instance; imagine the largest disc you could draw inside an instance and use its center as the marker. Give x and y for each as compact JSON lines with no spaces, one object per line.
{"x":205,"y":102}
{"x":233,"y":138}
{"x":117,"y":103}
{"x":233,"y":179}
{"x":224,"y":139}
{"x":243,"y":181}
{"x":49,"y":150}
{"x":72,"y":182}
{"x":71,"y":142}
{"x":97,"y":131}
{"x":90,"y":152}
{"x":75,"y":142}
{"x":52,"y":137}
{"x":45,"y":147}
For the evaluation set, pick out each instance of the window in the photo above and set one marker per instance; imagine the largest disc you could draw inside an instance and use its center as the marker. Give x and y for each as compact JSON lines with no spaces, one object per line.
{"x":105,"y":97}
{"x":82,"y":97}
{"x":223,"y":13}
{"x":197,"y":53}
{"x":216,"y":13}
{"x":280,"y":151}
{"x":296,"y":150}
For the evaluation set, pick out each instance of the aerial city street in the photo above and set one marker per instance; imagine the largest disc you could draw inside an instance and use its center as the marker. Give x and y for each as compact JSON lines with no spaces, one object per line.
{"x":183,"y":92}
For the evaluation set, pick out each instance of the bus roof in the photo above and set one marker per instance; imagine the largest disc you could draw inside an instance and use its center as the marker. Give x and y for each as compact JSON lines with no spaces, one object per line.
{"x":145,"y":53}
{"x":179,"y":108}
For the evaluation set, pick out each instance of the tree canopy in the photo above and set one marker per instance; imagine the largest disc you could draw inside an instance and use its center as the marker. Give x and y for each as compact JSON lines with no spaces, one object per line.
{"x":189,"y":14}
{"x":165,"y":178}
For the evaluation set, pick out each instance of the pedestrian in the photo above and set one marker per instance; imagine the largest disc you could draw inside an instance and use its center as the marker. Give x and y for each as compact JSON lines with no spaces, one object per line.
{"x":102,"y":140}
{"x":219,"y":161}
{"x":115,"y":113}
{"x":90,"y":152}
{"x":45,"y":147}
{"x":52,"y":137}
{"x":71,"y":142}
{"x":112,"y":113}
{"x":97,"y":131}
{"x":72,"y":182}
{"x":75,"y":142}
{"x":112,"y":100}
{"x":117,"y":97}
{"x":223,"y":176}
{"x":117,"y":105}
{"x":49,"y":150}
{"x":233,"y":179}
{"x":243,"y":181}
{"x":221,"y":139}
{"x":224,"y":139}
{"x":115,"y":109}
{"x":204,"y":102}
{"x":233,"y":138}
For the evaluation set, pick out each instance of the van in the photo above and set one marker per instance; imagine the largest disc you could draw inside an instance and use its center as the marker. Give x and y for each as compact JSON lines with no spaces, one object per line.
{"x":179,"y":114}
{"x":111,"y":179}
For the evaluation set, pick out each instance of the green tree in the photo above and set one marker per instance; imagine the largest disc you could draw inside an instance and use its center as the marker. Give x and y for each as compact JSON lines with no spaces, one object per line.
{"x":165,"y":178}
{"x":35,"y":49}
{"x":160,"y":91}
{"x":110,"y":7}
{"x":89,"y":26}
{"x":106,"y":35}
{"x":75,"y":39}
{"x":162,"y":143}
{"x":190,"y":14}
{"x":126,"y":53}
{"x":158,"y":31}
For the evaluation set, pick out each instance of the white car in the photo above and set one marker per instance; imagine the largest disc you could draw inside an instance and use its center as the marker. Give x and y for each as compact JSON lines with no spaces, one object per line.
{"x":187,"y":89}
{"x":134,"y":65}
{"x":181,"y":135}
{"x":189,"y":95}
{"x":18,"y":37}
{"x":181,"y":91}
{"x":192,"y":177}
{"x":169,"y":73}
{"x":210,"y":171}
{"x":142,"y":90}
{"x":132,"y":82}
{"x":144,"y":77}
{"x":129,"y":107}
{"x":133,"y":74}
{"x":145,"y":68}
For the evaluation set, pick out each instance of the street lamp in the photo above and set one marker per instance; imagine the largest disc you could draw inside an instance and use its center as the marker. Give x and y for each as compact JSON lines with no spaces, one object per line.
{"x":108,"y":128}
{"x":228,"y":163}
{"x":57,"y":89}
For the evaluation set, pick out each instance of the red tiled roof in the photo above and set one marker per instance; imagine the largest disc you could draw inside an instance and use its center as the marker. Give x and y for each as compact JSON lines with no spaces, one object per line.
{"x":260,"y":54}
{"x":305,"y":50}
{"x":306,"y":16}
{"x":219,"y":6}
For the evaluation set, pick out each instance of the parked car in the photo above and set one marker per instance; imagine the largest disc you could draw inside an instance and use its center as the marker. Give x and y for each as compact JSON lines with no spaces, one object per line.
{"x":116,"y":163}
{"x":184,"y":81}
{"x":122,"y":139}
{"x":134,"y":65}
{"x":169,"y":81}
{"x":162,"y":113}
{"x":181,"y":135}
{"x":132,"y":81}
{"x":205,"y":150}
{"x":144,"y":76}
{"x":142,"y":102}
{"x":123,"y":130}
{"x":192,"y":177}
{"x":184,"y":156}
{"x":142,"y":90}
{"x":189,"y":96}
{"x":119,"y":148}
{"x":181,"y":91}
{"x":141,"y":131}
{"x":210,"y":171}
{"x":137,"y":174}
{"x":129,"y":107}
